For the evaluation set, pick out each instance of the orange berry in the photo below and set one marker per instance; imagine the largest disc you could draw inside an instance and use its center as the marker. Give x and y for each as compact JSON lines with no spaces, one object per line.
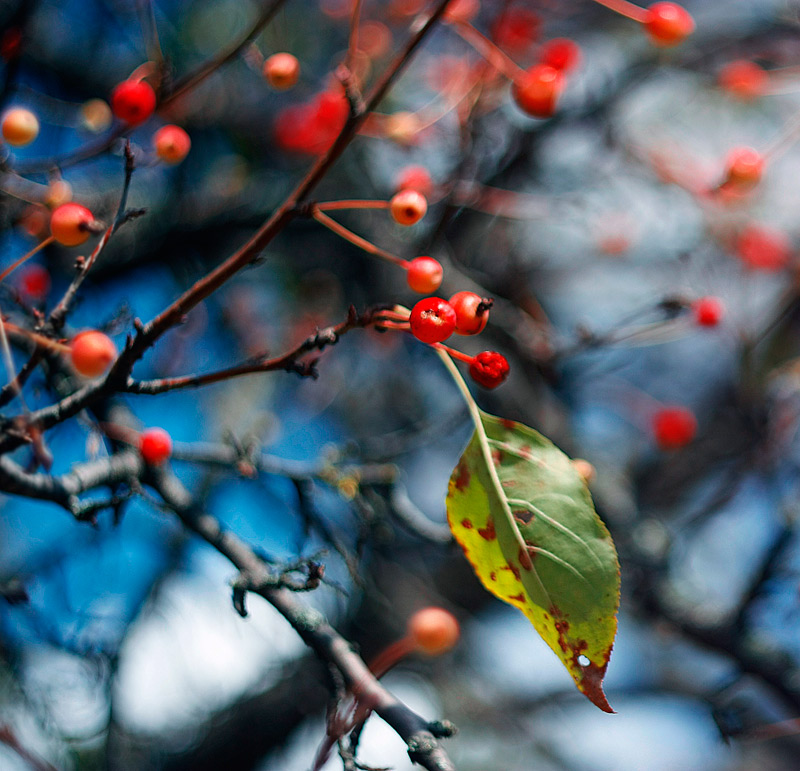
{"x":744,"y":167}
{"x":172,"y":144}
{"x":408,"y":207}
{"x":472,"y":312}
{"x":20,"y":127}
{"x":92,"y":352}
{"x":538,"y":90}
{"x":424,"y":275}
{"x":282,"y":71}
{"x":402,"y":127}
{"x":70,"y":224}
{"x":586,"y":471}
{"x":96,"y":115}
{"x":433,"y":630}
{"x":743,"y":79}
{"x":668,"y":24}
{"x":58,"y":192}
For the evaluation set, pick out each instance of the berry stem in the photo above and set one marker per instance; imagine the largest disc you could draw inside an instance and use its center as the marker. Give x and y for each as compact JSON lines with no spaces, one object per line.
{"x":488,"y":50}
{"x":390,"y":656}
{"x":626,"y":9}
{"x":465,"y":357}
{"x":351,"y":204}
{"x":14,"y":265}
{"x":352,"y":46}
{"x":39,"y":340}
{"x":357,"y":240}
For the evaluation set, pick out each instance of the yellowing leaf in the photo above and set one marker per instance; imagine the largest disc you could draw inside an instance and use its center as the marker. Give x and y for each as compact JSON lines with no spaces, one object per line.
{"x":525,"y":520}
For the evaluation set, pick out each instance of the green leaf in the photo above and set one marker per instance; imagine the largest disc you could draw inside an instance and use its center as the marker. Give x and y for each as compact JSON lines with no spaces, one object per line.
{"x":525,"y":520}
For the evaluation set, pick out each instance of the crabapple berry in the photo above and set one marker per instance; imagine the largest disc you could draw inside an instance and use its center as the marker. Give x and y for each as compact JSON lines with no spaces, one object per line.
{"x":424,"y":274}
{"x":743,"y":79}
{"x":133,"y":101}
{"x":415,"y":178}
{"x":744,"y":167}
{"x":489,"y":369}
{"x":472,"y":312}
{"x":708,"y":311}
{"x":20,"y":127}
{"x":172,"y":144}
{"x":96,"y":115}
{"x":155,"y":446}
{"x":763,"y":248}
{"x":34,"y":281}
{"x":674,"y":427}
{"x":282,"y":71}
{"x":403,"y":127}
{"x":408,"y":207}
{"x":516,"y":29}
{"x":432,"y":320}
{"x":433,"y":630}
{"x":59,"y":191}
{"x":561,"y":53}
{"x":668,"y":24}
{"x":538,"y":90}
{"x":91,"y":352}
{"x":70,"y":224}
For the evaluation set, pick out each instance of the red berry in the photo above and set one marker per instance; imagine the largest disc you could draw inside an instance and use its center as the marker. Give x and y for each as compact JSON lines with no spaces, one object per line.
{"x":282,"y":71}
{"x":668,"y":24}
{"x":763,"y":248}
{"x":744,"y":167}
{"x":408,"y":207}
{"x":70,"y":224}
{"x":92,"y":352}
{"x":708,"y":311}
{"x":133,"y":101}
{"x":432,"y":320}
{"x":516,"y":29}
{"x":472,"y":312}
{"x":743,"y":79}
{"x":489,"y":369}
{"x":424,"y":274}
{"x":561,"y":53}
{"x":155,"y":445}
{"x":20,"y":127}
{"x":538,"y":90}
{"x":674,"y":427}
{"x":433,"y":630}
{"x":172,"y":144}
{"x":415,"y":178}
{"x":34,"y":281}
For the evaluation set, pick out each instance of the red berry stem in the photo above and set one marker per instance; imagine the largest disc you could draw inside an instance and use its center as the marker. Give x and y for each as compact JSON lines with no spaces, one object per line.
{"x":352,"y":44}
{"x":391,"y":655}
{"x":488,"y":50}
{"x":625,"y":8}
{"x":453,"y":353}
{"x":40,"y":341}
{"x":357,"y":240}
{"x":14,"y":265}
{"x":351,"y":204}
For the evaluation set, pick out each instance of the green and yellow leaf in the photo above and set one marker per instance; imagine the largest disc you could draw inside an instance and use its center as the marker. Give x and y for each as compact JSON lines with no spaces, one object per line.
{"x":525,"y":520}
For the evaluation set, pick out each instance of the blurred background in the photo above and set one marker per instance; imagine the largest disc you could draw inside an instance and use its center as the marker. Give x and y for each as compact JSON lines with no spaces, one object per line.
{"x":596,"y":232}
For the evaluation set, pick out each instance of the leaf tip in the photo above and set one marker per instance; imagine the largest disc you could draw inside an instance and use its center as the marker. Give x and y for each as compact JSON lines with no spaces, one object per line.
{"x":591,"y":686}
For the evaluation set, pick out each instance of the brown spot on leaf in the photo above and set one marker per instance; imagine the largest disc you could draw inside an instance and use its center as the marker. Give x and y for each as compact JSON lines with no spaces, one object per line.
{"x":506,"y":423}
{"x":525,"y":559}
{"x":488,"y":533}
{"x":517,"y":597}
{"x":513,"y":568}
{"x":497,"y":457}
{"x":591,"y":685}
{"x":462,"y":480}
{"x":523,"y":516}
{"x":525,"y":451}
{"x":493,"y":576}
{"x":466,"y":524}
